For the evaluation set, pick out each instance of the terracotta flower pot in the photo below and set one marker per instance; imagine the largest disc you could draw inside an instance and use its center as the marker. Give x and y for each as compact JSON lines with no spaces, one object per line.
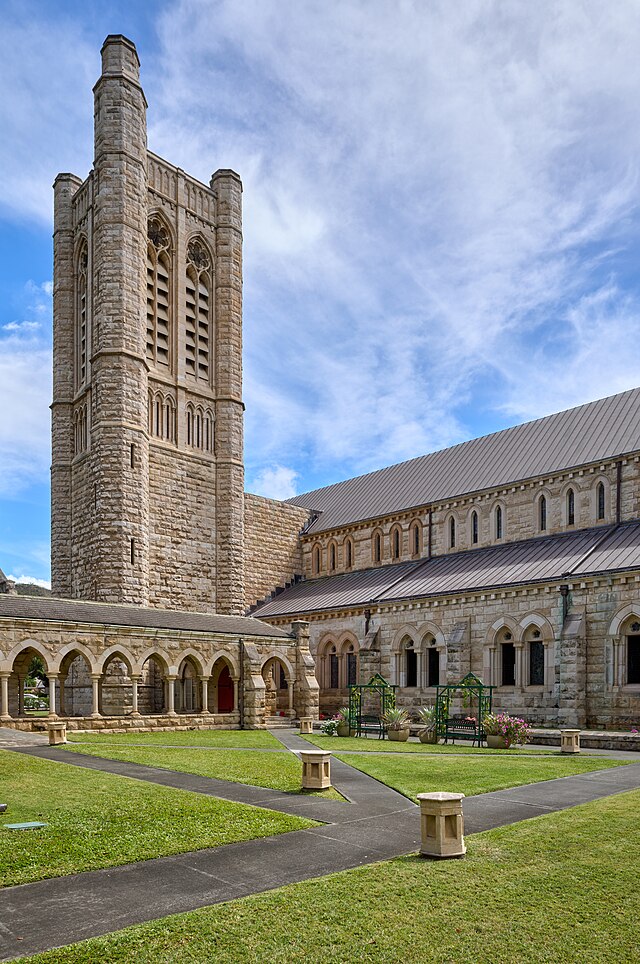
{"x":495,"y":742}
{"x":398,"y":736}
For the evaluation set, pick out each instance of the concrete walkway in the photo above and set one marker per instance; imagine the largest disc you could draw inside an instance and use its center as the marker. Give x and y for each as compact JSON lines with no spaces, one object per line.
{"x":378,"y":824}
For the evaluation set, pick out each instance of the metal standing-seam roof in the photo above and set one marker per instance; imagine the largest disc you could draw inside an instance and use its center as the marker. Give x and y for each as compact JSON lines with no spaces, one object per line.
{"x":543,"y":559}
{"x":590,"y":433}
{"x":137,"y":617}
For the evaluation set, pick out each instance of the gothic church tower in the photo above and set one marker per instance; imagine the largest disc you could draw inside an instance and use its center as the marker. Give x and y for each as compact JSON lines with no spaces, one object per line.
{"x":147,"y":471}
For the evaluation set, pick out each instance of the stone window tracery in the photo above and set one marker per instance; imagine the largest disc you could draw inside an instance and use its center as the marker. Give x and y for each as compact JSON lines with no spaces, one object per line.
{"x":158,"y":293}
{"x":198,"y":311}
{"x":162,"y":416}
{"x":200,"y":428}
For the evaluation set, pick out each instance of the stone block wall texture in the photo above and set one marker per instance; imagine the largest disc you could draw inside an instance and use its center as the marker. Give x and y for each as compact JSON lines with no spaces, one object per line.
{"x":579,"y":689}
{"x":273,"y":554}
{"x":520,"y":517}
{"x":140,"y":514}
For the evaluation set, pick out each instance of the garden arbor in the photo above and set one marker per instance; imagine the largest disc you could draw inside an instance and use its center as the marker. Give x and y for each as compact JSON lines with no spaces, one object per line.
{"x":476,"y":698}
{"x":368,"y":702}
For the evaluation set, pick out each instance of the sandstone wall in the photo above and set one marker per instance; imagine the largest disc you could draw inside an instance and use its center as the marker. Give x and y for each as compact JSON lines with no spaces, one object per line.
{"x":584,"y":681}
{"x":273,"y":554}
{"x":520,"y":518}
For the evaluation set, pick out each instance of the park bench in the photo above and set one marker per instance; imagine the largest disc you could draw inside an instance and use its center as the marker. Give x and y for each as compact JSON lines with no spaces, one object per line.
{"x":371,"y":724}
{"x":461,"y":728}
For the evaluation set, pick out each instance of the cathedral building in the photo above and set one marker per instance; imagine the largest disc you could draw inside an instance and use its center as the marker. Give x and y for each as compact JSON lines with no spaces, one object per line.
{"x":179,"y":599}
{"x":515,"y":556}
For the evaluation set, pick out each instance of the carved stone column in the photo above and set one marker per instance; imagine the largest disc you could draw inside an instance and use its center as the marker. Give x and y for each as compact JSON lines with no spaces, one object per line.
{"x":95,"y":695}
{"x":4,"y":696}
{"x":53,"y":679}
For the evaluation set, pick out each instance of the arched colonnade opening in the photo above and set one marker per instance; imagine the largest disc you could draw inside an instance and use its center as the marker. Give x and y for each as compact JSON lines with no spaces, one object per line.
{"x":76,"y":684}
{"x":279,"y":685}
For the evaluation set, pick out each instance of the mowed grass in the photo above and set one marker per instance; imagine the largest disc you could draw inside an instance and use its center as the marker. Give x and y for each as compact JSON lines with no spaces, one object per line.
{"x":278,"y":771}
{"x":466,"y":774}
{"x":341,"y":744}
{"x":101,"y":820}
{"x":558,"y":888}
{"x":249,"y":739}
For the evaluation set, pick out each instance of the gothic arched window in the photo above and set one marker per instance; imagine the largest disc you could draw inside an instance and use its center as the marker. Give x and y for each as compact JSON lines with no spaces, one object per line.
{"x":396,"y":535}
{"x":377,"y":546}
{"x":348,"y":552}
{"x":474,"y":528}
{"x":158,"y":293}
{"x":415,"y":538}
{"x":499,"y":522}
{"x":452,"y":533}
{"x":600,"y":499}
{"x":571,"y":508}
{"x":198,"y":311}
{"x":542,"y":513}
{"x":82,"y":320}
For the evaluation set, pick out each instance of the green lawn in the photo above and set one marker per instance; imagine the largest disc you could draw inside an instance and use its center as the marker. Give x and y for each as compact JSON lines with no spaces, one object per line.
{"x":558,"y":888}
{"x":278,"y":771}
{"x":469,"y":774}
{"x":256,"y":739}
{"x":340,"y":744}
{"x":101,"y":820}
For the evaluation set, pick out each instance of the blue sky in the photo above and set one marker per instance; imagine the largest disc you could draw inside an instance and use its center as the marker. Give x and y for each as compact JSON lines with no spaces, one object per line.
{"x":441,"y":215}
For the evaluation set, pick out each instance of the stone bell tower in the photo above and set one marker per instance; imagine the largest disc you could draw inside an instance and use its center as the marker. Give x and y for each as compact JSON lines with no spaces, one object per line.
{"x":147,"y":472}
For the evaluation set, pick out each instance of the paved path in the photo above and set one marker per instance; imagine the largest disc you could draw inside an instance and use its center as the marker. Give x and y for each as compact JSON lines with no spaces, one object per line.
{"x":378,"y":824}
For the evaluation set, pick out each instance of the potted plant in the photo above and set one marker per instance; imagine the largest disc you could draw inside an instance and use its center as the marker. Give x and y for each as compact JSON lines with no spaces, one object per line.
{"x":503,"y":731}
{"x":329,"y":727}
{"x":342,"y":717}
{"x":396,"y":721}
{"x":427,"y":717}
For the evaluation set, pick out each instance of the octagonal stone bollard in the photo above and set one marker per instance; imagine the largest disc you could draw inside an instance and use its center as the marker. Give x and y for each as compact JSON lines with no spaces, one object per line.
{"x":441,"y":825}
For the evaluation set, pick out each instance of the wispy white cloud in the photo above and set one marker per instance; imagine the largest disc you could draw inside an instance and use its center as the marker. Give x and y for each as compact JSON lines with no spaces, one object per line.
{"x":432,"y":191}
{"x":441,"y":206}
{"x":275,"y":482}
{"x":25,"y":393}
{"x":32,"y":580}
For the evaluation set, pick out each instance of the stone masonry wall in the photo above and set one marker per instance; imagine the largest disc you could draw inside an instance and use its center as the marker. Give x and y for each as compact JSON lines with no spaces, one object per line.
{"x":520,"y":517}
{"x":273,"y":554}
{"x":579,"y":688}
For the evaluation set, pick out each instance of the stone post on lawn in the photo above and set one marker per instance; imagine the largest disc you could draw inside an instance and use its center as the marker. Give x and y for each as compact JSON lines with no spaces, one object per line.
{"x":569,"y":741}
{"x":441,"y":825}
{"x":316,"y":769}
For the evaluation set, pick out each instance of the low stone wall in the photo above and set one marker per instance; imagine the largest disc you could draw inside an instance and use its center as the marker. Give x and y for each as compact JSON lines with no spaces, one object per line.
{"x":591,"y":739}
{"x":135,"y":724}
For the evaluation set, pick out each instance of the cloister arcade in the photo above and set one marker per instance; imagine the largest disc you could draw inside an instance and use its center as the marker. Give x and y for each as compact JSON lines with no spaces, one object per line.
{"x":117,"y":684}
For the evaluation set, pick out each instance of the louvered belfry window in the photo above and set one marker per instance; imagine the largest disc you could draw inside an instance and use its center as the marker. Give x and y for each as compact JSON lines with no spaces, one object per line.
{"x":81,"y":346}
{"x":198,"y":311}
{"x":158,"y":294}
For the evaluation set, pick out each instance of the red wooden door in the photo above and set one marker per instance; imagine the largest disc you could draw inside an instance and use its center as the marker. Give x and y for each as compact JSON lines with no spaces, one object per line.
{"x":225,"y":692}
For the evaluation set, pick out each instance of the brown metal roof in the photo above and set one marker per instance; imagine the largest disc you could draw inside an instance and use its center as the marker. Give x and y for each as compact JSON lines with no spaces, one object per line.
{"x":590,"y":433}
{"x":137,"y":617}
{"x":544,"y":559}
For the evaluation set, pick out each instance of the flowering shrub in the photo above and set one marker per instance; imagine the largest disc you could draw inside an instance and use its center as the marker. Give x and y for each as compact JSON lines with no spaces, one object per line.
{"x":512,"y":728}
{"x":330,"y":727}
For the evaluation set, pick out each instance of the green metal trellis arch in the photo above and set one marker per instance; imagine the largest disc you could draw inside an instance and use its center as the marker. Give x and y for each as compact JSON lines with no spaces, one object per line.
{"x":476,"y":697}
{"x":376,"y":685}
